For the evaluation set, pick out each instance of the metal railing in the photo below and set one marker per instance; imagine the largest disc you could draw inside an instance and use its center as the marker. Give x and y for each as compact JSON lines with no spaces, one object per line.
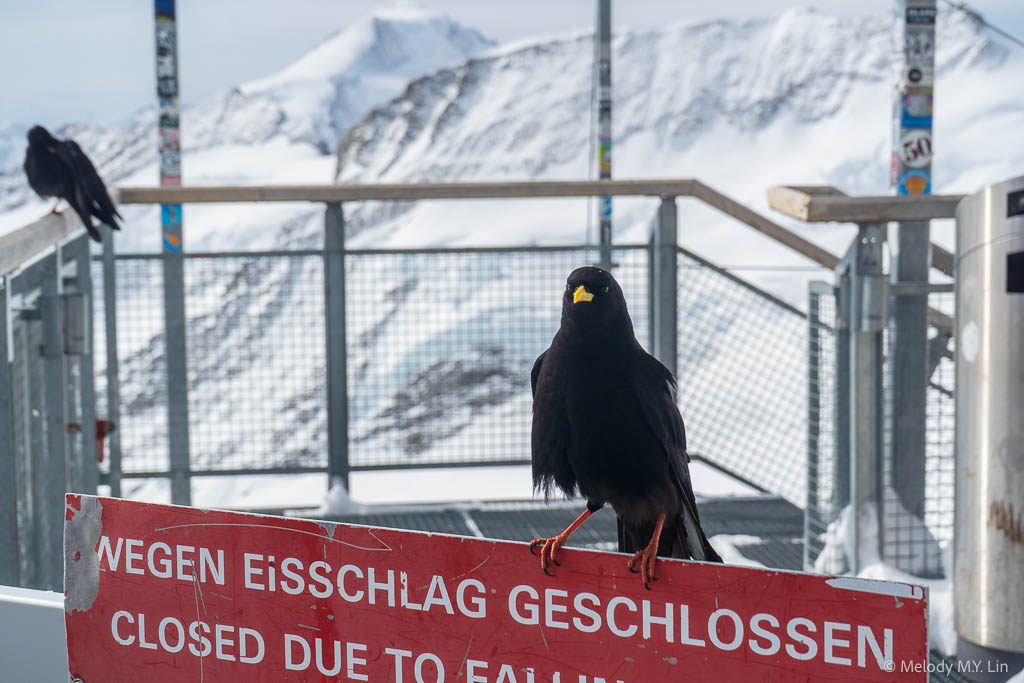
{"x":337,"y":360}
{"x":47,"y":418}
{"x":880,"y":389}
{"x":427,"y":358}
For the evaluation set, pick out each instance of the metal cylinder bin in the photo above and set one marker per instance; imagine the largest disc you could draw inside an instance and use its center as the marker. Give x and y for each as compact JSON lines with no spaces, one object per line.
{"x":989,"y":540}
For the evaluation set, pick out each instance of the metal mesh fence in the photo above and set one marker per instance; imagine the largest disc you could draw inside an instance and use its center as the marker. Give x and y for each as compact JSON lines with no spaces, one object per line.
{"x":910,"y":541}
{"x":914,"y":544}
{"x":256,"y":367}
{"x":824,"y":491}
{"x":441,"y":343}
{"x":941,"y":423}
{"x":141,"y":355}
{"x":742,"y":381}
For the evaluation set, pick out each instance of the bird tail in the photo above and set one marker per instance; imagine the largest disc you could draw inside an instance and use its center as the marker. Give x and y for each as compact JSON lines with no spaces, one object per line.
{"x":86,"y":218}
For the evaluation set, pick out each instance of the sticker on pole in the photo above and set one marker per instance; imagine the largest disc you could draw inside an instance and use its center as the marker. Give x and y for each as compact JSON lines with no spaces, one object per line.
{"x":165,"y":593}
{"x":916,"y":147}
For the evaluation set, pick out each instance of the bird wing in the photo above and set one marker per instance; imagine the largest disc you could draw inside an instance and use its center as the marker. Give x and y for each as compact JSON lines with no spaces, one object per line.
{"x":535,"y":373}
{"x":655,"y":390}
{"x":89,"y":186}
{"x":549,"y":436}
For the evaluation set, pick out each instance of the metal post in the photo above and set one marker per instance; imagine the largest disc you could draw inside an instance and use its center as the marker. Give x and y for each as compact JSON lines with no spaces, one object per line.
{"x":173,"y":244}
{"x":663,"y":306}
{"x":868,"y":308}
{"x":604,"y":124}
{"x":9,"y":552}
{"x":177,"y":377}
{"x":32,"y":458}
{"x":988,"y":537}
{"x":841,"y":470}
{"x":83,"y":477}
{"x":337,"y":371}
{"x":912,"y":120}
{"x":908,"y":360}
{"x":811,"y":507}
{"x":113,"y":376}
{"x":51,"y":461}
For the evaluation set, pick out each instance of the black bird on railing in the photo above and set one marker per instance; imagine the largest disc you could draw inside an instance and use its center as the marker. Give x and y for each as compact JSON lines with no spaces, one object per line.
{"x":59,"y":168}
{"x":606,"y":425}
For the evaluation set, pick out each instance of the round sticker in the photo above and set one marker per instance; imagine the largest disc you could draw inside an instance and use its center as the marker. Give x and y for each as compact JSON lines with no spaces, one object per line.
{"x":914,"y":182}
{"x":916,"y":147}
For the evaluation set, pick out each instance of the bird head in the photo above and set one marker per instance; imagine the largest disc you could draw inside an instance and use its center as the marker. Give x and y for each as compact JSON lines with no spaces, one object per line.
{"x":40,"y":137}
{"x":593,"y":303}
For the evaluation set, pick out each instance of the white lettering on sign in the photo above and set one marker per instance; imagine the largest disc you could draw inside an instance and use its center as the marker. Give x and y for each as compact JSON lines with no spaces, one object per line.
{"x":299,"y":655}
{"x":130,"y":629}
{"x":726,"y":629}
{"x":161,"y":561}
{"x":760,"y":632}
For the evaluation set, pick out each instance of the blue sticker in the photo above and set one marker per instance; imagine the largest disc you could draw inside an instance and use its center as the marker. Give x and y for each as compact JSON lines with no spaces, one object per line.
{"x":170,"y":214}
{"x":916,"y":109}
{"x":606,"y":207}
{"x":908,"y":121}
{"x":165,"y":8}
{"x":915,"y":183}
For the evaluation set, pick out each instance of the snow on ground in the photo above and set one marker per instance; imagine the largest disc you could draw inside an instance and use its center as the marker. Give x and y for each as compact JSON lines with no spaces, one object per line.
{"x":729,"y":546}
{"x":413,"y":486}
{"x":941,"y":630}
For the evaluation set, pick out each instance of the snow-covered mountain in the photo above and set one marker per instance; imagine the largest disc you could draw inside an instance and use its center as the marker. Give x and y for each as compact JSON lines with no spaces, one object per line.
{"x":743,"y":105}
{"x":799,"y":98}
{"x":282,"y":128}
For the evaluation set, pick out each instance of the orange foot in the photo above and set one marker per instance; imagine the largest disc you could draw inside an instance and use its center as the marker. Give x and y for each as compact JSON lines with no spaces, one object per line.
{"x":647,"y":555}
{"x":646,"y":560}
{"x":548,"y":550}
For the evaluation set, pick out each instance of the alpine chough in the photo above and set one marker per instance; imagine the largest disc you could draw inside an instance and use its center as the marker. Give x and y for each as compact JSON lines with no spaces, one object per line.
{"x":606,"y":426}
{"x":59,"y":168}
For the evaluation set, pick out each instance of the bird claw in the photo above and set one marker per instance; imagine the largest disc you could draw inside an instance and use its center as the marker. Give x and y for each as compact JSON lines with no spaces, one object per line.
{"x":548,"y":551}
{"x":646,"y":557}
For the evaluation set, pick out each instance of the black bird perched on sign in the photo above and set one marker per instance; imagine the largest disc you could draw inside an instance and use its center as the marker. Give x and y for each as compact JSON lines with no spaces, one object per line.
{"x":59,"y":168}
{"x":606,"y":425}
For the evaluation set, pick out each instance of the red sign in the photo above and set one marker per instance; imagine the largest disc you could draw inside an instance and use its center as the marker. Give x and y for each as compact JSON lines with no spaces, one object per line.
{"x":163,"y":593}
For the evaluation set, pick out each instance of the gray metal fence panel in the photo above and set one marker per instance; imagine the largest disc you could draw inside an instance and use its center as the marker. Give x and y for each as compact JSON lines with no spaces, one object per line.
{"x":912,"y":540}
{"x":825,"y":478}
{"x":915,"y":544}
{"x":256,"y":370}
{"x":9,"y":493}
{"x":441,"y":344}
{"x":742,"y":381}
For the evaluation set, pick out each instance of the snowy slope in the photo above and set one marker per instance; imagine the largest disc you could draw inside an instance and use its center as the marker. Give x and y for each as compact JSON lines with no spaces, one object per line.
{"x":800,"y":98}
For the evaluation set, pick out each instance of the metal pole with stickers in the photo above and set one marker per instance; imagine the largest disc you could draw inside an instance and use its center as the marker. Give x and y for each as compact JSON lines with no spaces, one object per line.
{"x":909,"y":242}
{"x":172,"y":247}
{"x":604,"y":125}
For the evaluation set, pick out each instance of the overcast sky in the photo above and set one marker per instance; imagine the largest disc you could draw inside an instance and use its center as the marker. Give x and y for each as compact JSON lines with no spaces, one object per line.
{"x":67,"y":60}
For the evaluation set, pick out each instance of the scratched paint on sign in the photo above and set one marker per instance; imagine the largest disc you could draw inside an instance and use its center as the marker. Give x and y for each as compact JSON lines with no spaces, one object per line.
{"x":166,"y":593}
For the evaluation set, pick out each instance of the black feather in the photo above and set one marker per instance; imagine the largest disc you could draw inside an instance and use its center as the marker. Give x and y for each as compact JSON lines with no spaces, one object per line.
{"x":59,"y":168}
{"x":606,"y":425}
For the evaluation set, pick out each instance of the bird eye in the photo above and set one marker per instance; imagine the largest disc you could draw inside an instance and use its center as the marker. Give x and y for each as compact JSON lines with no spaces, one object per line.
{"x":568,"y":287}
{"x":604,"y":290}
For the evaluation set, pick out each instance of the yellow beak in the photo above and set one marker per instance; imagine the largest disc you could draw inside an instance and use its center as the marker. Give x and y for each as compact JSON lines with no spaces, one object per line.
{"x":581,"y":294}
